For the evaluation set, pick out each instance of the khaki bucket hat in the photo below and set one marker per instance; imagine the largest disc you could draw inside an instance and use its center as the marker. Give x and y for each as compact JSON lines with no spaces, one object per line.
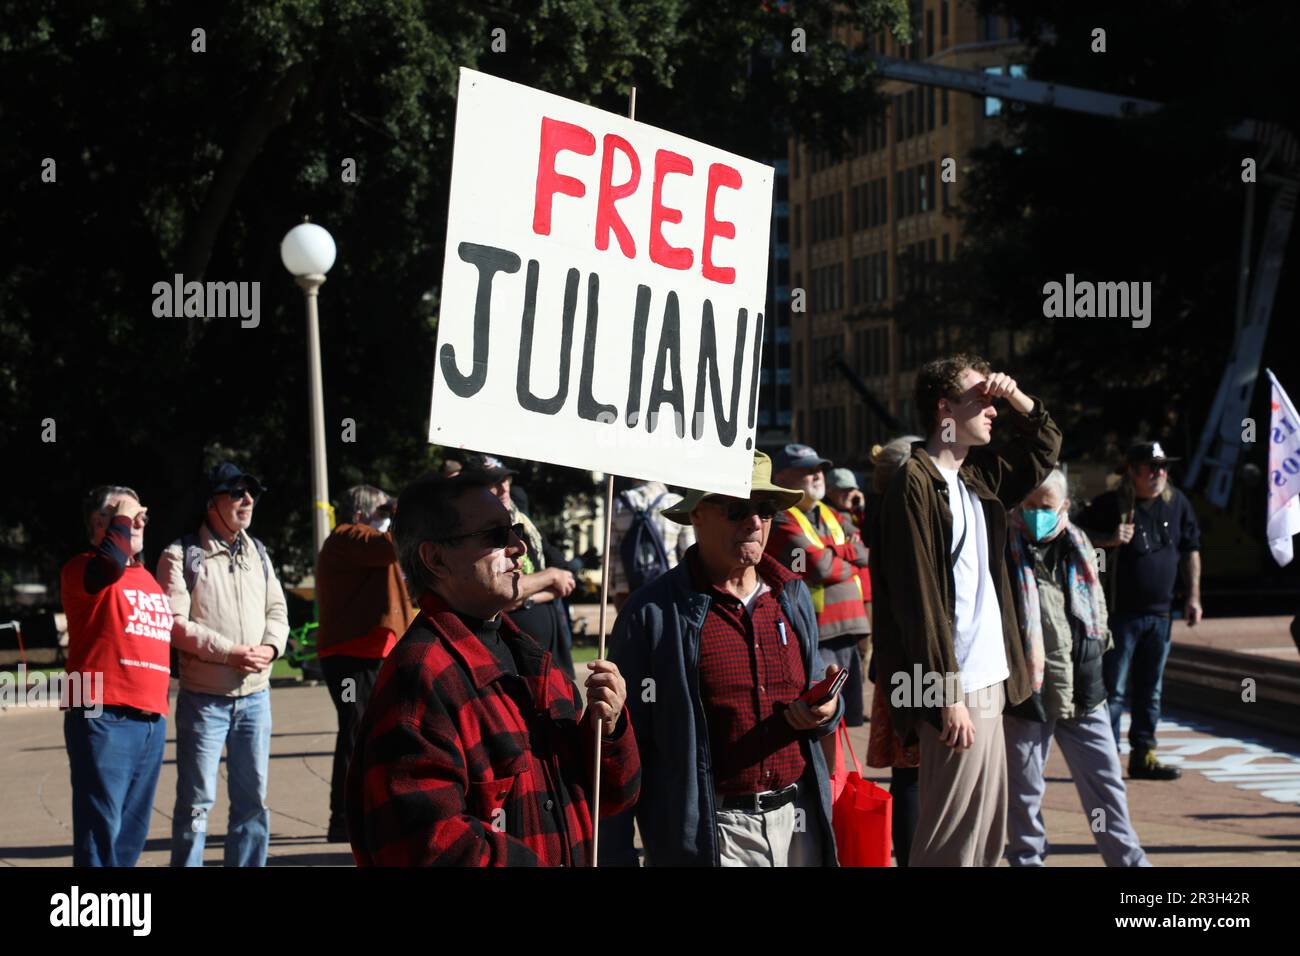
{"x":760,"y":487}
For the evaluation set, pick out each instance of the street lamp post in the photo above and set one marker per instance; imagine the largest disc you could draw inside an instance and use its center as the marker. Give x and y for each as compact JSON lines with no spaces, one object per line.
{"x":307,"y":251}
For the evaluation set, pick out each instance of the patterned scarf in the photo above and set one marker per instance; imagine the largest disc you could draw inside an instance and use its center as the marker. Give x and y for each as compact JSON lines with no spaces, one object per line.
{"x":1087,"y":600}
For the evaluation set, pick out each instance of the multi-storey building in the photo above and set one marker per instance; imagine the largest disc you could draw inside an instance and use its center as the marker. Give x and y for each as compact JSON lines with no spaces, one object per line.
{"x":863,"y":228}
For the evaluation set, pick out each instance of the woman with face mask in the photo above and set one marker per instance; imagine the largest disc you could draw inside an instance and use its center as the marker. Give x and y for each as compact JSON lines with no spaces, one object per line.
{"x":1062,"y":612}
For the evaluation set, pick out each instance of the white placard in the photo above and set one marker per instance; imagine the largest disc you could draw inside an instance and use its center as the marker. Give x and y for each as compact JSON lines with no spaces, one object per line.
{"x":602,"y":294}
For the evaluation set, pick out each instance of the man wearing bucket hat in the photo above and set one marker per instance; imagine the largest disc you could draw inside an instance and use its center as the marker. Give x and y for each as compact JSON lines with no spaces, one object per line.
{"x":1153,"y":529}
{"x":716,"y":654}
{"x":230,"y":623}
{"x":824,"y":548}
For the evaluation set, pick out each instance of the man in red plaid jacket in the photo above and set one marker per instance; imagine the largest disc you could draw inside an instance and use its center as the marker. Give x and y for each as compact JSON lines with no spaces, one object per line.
{"x":472,"y":751}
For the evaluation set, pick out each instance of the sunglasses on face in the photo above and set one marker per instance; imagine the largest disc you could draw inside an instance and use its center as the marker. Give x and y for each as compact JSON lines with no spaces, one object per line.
{"x":738,"y":509}
{"x":497,"y":536}
{"x":237,"y":494}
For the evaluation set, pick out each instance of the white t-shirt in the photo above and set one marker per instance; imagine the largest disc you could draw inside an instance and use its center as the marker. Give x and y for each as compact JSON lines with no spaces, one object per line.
{"x":759,"y":590}
{"x":977,"y":631}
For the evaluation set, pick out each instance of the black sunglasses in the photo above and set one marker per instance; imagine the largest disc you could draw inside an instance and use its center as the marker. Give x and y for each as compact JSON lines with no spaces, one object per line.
{"x":237,"y":494}
{"x":738,"y":509}
{"x":497,"y":536}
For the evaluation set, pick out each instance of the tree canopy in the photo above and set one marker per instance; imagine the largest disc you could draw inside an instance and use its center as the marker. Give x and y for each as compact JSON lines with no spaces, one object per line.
{"x":184,"y":152}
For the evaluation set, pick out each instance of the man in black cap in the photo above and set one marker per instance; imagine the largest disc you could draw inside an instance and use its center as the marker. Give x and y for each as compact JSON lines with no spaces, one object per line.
{"x":229,"y":624}
{"x":1153,"y":529}
{"x":539,"y":611}
{"x":824,"y":547}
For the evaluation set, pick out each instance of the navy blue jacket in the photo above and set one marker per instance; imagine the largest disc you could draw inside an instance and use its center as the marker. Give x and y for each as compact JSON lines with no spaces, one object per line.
{"x":657,"y":638}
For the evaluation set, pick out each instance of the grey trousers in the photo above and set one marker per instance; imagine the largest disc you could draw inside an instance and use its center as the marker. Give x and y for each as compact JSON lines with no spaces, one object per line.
{"x":1088,"y":745}
{"x":779,"y":837}
{"x":962,"y":819}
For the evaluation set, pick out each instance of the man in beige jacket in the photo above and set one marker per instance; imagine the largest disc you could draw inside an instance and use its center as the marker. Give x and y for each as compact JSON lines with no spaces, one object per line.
{"x":230,"y":623}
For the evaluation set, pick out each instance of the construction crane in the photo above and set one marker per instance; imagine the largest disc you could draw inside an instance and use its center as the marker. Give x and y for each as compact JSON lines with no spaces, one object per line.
{"x":1220,"y":444}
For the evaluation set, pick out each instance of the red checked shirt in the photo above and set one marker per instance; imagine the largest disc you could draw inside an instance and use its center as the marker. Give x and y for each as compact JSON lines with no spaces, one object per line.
{"x":751,"y":668}
{"x":459,"y":763}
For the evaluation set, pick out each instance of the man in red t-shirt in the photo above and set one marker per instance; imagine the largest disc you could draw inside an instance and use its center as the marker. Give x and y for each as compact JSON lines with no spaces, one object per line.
{"x":115,"y":702}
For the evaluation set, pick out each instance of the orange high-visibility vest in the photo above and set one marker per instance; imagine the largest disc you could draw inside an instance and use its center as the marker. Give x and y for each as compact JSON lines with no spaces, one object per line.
{"x":837,"y":537}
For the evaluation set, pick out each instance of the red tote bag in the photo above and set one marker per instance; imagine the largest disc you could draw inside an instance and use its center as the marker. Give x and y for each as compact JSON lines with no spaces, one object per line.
{"x":861,"y":811}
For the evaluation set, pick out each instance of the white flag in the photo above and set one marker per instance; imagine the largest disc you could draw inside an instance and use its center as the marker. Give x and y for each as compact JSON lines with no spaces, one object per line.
{"x":1283,"y":474}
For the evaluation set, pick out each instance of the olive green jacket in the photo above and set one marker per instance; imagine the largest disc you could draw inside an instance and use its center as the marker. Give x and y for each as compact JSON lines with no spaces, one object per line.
{"x":911,"y":572}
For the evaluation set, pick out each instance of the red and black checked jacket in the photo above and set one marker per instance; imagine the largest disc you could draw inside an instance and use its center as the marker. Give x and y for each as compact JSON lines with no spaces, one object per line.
{"x":449,"y":769}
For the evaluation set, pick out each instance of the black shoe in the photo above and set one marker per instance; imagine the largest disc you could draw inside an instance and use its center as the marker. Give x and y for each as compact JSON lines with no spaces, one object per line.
{"x":338,"y":832}
{"x":1143,"y":765}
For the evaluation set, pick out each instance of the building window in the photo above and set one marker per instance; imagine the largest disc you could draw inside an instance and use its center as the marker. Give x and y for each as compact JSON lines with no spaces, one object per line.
{"x":929,"y":108}
{"x":912,"y":190}
{"x":798,"y":226}
{"x":898,"y":195}
{"x":929,"y":182}
{"x":910,"y":99}
{"x":992,"y":105}
{"x":795,"y":164}
{"x":798,"y":365}
{"x":929,"y":33}
{"x":943,"y":18}
{"x":898,"y":119}
{"x":943,"y":108}
{"x":945,"y":247}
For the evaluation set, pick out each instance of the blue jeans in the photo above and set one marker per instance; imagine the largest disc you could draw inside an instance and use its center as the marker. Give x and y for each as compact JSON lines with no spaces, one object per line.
{"x":115,"y":759}
{"x":1141,"y":648}
{"x":204,"y":724}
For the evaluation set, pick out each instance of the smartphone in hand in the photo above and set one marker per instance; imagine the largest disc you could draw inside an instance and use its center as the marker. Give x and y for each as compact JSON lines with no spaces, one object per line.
{"x":823,"y":691}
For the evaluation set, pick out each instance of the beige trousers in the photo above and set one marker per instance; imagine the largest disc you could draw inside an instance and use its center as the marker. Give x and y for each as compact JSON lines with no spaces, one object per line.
{"x":963,"y":813}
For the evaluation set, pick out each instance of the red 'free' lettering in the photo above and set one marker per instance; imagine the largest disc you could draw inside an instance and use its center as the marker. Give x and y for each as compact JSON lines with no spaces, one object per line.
{"x":557,"y":136}
{"x":719,"y":175}
{"x":666,"y":163}
{"x":607,"y":216}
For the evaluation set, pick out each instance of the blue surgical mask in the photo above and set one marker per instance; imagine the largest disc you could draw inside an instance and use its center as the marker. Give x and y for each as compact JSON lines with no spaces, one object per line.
{"x":1040,"y":522}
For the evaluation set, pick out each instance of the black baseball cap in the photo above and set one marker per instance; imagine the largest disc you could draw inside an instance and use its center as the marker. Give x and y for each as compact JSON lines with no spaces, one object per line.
{"x":799,"y":456}
{"x":485,"y":467}
{"x":227,"y":476}
{"x":1147,"y":453}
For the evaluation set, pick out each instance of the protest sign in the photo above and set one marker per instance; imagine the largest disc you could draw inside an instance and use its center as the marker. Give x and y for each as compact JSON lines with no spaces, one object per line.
{"x":603,"y":292}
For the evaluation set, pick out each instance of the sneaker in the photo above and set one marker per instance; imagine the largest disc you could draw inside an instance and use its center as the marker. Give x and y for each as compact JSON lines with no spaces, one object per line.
{"x":1143,"y":765}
